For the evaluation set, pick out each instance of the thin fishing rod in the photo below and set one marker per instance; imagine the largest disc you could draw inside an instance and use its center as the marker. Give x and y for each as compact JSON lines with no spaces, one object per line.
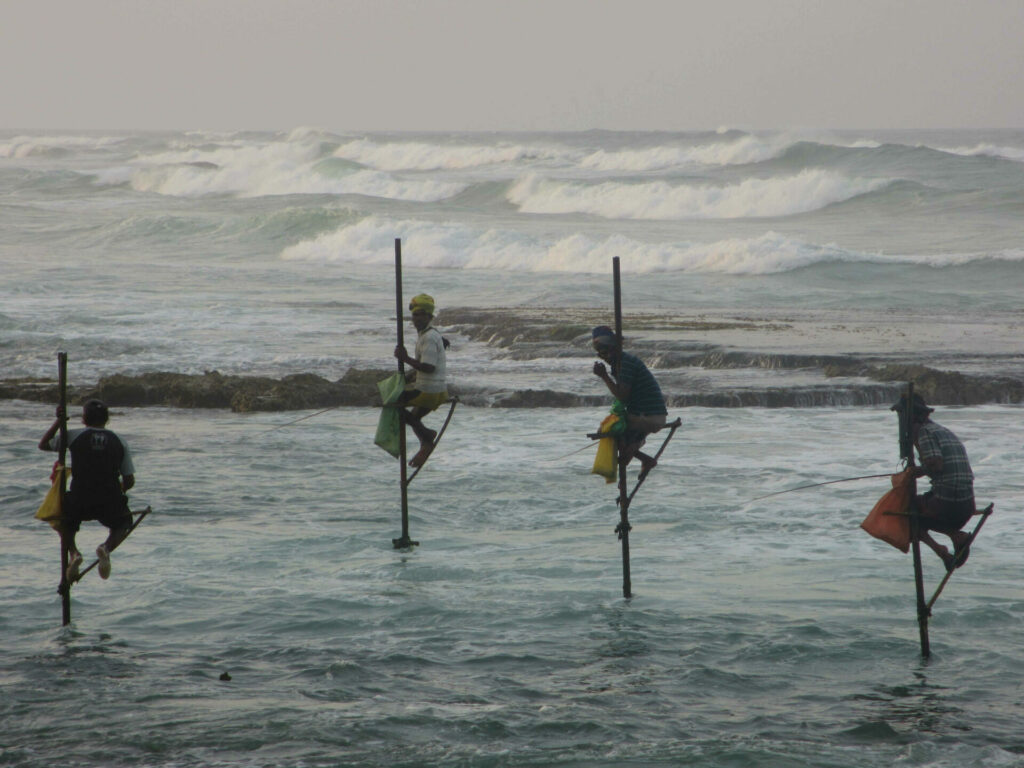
{"x":301,"y":418}
{"x":827,"y":482}
{"x":593,"y":444}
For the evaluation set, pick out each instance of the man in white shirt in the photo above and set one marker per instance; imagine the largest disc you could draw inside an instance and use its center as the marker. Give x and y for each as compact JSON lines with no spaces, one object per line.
{"x":427,"y":388}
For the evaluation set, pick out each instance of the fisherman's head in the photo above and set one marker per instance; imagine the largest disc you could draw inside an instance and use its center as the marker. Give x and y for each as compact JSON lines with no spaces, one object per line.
{"x":95,"y":413}
{"x":919,"y":410}
{"x":422,"y":308}
{"x":603,"y":340}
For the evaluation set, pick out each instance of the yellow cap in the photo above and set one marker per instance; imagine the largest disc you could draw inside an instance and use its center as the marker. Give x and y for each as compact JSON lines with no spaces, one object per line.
{"x":424,"y":302}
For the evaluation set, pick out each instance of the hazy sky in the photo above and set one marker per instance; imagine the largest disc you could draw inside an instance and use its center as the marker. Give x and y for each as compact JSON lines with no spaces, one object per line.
{"x":517,"y":64}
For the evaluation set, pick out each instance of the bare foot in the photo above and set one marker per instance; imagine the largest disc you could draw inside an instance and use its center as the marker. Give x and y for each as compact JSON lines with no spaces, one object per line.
{"x":103,"y":556}
{"x":962,"y":548}
{"x":952,"y":561}
{"x":421,"y":456}
{"x":647,"y":464}
{"x":74,"y":565}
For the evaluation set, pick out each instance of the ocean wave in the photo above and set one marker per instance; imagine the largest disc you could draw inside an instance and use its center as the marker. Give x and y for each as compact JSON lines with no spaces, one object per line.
{"x":808,"y":190}
{"x":279,"y":226}
{"x":431,"y":245}
{"x":987,"y":150}
{"x":424,"y":244}
{"x":743,"y":150}
{"x":19,"y":147}
{"x":249,"y":169}
{"x":424,"y":156}
{"x":448,"y":245}
{"x":738,"y":149}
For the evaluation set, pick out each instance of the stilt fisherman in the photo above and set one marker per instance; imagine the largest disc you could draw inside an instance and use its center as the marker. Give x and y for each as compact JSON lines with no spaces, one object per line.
{"x":427,"y":388}
{"x":101,"y":474}
{"x":637,"y":389}
{"x":949,"y":504}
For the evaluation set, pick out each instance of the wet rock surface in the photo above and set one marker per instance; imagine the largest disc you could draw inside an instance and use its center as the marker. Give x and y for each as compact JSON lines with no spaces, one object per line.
{"x":213,"y":390}
{"x":727,"y":360}
{"x":722,"y":360}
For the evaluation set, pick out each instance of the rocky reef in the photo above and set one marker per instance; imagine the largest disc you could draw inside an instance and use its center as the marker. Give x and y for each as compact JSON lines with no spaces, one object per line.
{"x":213,"y":390}
{"x":728,"y":360}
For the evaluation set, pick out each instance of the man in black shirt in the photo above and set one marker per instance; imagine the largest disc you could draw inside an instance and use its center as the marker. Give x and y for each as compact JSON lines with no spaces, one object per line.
{"x":102,"y":472}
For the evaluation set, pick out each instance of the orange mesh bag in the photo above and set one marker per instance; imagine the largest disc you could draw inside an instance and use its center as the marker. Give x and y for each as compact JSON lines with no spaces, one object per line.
{"x":888,"y":520}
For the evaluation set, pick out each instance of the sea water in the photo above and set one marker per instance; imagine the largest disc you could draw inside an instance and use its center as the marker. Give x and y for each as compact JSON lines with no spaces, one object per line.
{"x":761,"y":632}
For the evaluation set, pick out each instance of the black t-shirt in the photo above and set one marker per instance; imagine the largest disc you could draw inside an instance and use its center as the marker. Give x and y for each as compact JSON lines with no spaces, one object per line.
{"x":96,"y":458}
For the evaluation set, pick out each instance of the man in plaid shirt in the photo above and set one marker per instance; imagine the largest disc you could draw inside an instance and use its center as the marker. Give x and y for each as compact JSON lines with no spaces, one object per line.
{"x":949,"y":504}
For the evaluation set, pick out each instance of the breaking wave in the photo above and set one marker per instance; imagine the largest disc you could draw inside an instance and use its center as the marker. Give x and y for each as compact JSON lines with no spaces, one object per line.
{"x":453,"y":246}
{"x":19,"y":147}
{"x":744,"y":150}
{"x":806,"y":191}
{"x":425,"y":156}
{"x":988,"y":150}
{"x":249,"y":169}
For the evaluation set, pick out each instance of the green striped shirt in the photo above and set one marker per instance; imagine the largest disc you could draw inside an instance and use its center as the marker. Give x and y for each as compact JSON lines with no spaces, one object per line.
{"x":644,"y":393}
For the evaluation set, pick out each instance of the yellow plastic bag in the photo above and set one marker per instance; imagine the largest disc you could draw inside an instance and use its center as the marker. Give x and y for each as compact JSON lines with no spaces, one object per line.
{"x":606,"y":460}
{"x":50,"y":510}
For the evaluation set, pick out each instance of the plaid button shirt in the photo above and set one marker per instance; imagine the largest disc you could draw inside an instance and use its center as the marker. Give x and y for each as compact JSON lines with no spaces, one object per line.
{"x":956,"y":481}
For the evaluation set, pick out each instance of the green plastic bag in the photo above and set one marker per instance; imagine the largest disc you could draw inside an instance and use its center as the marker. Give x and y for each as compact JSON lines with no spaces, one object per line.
{"x":618,"y":409}
{"x":390,"y":422}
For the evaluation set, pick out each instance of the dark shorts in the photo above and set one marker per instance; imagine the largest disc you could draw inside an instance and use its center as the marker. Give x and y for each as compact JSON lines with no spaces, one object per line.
{"x":639,"y":426}
{"x":113,"y":513}
{"x":944,"y":516}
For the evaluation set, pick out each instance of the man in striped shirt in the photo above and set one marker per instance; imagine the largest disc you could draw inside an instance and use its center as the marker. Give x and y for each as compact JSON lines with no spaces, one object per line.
{"x":636,"y":388}
{"x":949,"y":504}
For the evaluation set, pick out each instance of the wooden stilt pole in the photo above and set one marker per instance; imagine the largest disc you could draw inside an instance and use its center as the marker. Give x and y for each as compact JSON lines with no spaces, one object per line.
{"x":65,"y":587}
{"x":907,"y":451}
{"x":671,"y":431}
{"x":403,"y":542}
{"x":977,"y":529}
{"x":440,"y":433}
{"x":623,"y":527}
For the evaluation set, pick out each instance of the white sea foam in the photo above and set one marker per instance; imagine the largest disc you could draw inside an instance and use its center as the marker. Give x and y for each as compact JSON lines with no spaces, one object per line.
{"x":19,"y":147}
{"x":251,"y":169}
{"x":948,"y":259}
{"x":987,"y":150}
{"x":755,"y":197}
{"x":454,"y":246}
{"x":749,"y":148}
{"x":746,"y":149}
{"x":449,"y":245}
{"x":429,"y":156}
{"x":424,"y":244}
{"x":423,"y":156}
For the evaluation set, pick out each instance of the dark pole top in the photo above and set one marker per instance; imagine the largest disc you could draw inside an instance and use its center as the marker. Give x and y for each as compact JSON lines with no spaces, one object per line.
{"x":398,"y":299}
{"x":62,"y":375}
{"x":617,"y":285}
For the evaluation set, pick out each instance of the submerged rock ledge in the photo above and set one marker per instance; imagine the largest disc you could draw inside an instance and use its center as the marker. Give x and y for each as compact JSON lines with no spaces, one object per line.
{"x":212,"y":390}
{"x":358,"y":388}
{"x":701,"y":360}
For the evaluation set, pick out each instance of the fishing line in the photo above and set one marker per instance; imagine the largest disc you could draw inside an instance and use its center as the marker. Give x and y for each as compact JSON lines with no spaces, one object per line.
{"x":573,"y":453}
{"x":302,"y":418}
{"x":827,"y":482}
